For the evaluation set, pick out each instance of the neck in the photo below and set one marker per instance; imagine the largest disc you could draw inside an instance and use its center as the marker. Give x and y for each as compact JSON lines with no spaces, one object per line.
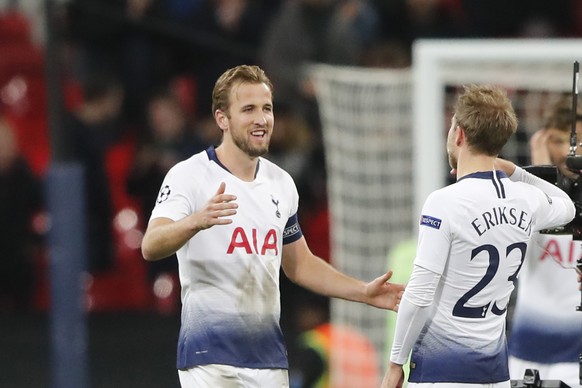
{"x":470,"y":163}
{"x":237,"y":162}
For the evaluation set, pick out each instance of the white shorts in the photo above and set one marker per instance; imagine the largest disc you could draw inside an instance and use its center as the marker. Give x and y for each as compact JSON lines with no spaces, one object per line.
{"x":565,"y":371}
{"x":504,"y":384}
{"x":226,"y":376}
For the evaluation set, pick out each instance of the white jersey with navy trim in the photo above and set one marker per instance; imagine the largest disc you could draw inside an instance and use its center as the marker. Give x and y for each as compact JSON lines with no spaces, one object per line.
{"x":474,"y":234}
{"x":546,"y":326}
{"x":230,"y":273}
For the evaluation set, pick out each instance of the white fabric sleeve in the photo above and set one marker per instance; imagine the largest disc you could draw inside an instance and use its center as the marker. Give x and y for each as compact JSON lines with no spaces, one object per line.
{"x":413,"y":312}
{"x":521,"y":175}
{"x":558,"y":207}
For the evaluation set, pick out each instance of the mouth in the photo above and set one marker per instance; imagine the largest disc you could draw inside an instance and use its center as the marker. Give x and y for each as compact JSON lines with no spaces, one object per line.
{"x":259,"y":133}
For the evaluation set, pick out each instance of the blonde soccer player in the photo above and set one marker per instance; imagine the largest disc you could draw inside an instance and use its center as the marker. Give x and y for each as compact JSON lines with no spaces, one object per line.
{"x":473,"y":238}
{"x":231,"y":217}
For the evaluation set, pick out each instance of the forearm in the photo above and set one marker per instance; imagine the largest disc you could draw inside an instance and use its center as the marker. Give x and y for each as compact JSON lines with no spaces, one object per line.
{"x":164,"y":237}
{"x":309,"y":271}
{"x":318,"y":276}
{"x":413,"y":312}
{"x":521,"y":175}
{"x":518,"y":174}
{"x":411,"y":319}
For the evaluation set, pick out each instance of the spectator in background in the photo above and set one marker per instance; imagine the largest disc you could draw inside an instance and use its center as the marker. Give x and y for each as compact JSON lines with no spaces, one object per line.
{"x":314,"y":31}
{"x":407,"y":20}
{"x":115,"y":36}
{"x":519,"y":18}
{"x":90,"y":131}
{"x":169,"y":139}
{"x":545,"y":331}
{"x":227,"y":32}
{"x":20,"y":199}
{"x":291,"y":143}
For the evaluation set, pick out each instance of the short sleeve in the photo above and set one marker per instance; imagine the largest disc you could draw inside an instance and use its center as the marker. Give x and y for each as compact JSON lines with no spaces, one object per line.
{"x":434,"y":235}
{"x":174,"y":200}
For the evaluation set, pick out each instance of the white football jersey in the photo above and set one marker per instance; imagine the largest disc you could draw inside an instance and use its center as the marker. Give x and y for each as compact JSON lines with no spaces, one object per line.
{"x":230,"y":273}
{"x":475,"y":234}
{"x":546,"y":327}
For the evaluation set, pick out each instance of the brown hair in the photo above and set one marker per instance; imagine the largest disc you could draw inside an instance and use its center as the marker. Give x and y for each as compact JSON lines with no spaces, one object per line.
{"x":560,"y":115}
{"x":486,"y":115}
{"x":232,"y":77}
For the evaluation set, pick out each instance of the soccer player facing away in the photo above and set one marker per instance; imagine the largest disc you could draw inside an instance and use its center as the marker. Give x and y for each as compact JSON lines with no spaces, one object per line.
{"x":231,"y":217}
{"x":473,"y":238}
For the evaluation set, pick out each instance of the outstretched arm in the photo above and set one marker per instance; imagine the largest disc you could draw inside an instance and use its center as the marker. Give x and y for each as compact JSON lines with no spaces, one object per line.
{"x":309,"y":271}
{"x":164,"y":236}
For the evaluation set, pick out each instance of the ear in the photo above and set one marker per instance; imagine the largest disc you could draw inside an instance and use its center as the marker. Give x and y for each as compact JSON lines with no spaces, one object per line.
{"x":459,"y":136}
{"x":221,"y":119}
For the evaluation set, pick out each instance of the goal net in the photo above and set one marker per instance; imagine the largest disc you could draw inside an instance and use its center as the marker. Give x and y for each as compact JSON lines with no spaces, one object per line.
{"x":384,"y":134}
{"x":366,"y":118}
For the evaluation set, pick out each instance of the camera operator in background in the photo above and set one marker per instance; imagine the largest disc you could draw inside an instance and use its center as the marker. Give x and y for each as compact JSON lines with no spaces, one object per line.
{"x":546,"y":329}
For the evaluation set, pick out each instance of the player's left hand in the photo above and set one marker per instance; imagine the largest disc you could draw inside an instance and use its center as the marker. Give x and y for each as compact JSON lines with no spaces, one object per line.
{"x":394,"y":377}
{"x":383,"y":294}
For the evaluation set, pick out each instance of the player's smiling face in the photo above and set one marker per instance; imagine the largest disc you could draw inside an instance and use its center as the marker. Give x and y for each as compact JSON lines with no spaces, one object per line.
{"x":250,"y":121}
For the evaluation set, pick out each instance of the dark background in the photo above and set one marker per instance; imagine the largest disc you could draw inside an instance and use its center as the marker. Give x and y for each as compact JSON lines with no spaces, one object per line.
{"x":125,"y":349}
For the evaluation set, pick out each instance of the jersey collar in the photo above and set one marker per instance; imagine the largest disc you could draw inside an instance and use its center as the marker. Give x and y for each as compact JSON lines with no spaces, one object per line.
{"x":485,"y":175}
{"x":211,"y":152}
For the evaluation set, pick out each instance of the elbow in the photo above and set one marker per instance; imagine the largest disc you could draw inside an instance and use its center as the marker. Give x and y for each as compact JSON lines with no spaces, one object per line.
{"x":147,"y":254}
{"x":147,"y":251}
{"x":152,"y":251}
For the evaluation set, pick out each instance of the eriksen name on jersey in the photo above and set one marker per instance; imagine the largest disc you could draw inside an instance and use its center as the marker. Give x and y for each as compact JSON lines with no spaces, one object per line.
{"x":502,"y":216}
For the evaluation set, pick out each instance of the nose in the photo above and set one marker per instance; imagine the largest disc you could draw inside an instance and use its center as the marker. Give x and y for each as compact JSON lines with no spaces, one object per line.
{"x":261,"y":119}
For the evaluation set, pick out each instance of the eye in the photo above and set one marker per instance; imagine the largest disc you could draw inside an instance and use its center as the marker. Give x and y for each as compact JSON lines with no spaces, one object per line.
{"x":558,"y":142}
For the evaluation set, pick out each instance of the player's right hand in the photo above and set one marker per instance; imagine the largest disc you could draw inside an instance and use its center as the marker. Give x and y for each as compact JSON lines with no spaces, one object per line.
{"x":217,"y":210}
{"x":540,"y":153}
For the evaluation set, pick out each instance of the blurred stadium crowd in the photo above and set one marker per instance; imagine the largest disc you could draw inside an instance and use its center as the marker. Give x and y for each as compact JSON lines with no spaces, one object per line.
{"x":137,"y":77}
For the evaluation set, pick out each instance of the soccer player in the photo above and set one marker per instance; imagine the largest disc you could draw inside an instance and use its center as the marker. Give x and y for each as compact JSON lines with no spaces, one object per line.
{"x":546,"y":328}
{"x":231,"y":216}
{"x":473,"y":238}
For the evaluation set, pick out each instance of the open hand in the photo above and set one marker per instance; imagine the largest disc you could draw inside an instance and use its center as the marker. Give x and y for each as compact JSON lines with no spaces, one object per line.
{"x":383,"y":294}
{"x":216,"y":210}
